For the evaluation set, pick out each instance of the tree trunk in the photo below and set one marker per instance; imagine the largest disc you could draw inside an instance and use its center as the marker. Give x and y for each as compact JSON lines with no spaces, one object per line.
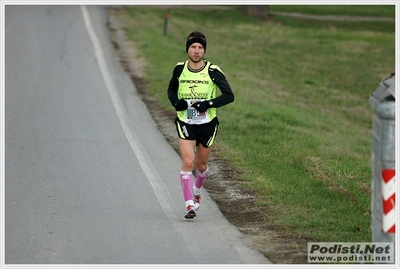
{"x":260,"y":12}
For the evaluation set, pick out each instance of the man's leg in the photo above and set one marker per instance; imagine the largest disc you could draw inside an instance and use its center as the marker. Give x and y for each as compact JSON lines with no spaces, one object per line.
{"x":202,"y":156}
{"x":186,"y":177}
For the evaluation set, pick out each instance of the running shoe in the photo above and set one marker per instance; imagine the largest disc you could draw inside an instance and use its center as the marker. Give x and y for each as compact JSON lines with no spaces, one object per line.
{"x":196,"y":199}
{"x":190,"y":213}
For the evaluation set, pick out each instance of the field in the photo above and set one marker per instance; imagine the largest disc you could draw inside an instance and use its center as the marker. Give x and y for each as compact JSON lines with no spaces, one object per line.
{"x":299,"y":129}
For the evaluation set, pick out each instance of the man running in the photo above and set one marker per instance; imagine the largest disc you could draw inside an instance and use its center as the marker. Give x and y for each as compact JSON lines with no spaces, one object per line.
{"x":192,"y":91}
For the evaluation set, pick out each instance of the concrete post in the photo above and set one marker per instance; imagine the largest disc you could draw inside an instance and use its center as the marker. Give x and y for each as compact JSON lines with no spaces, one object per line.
{"x":383,"y":183}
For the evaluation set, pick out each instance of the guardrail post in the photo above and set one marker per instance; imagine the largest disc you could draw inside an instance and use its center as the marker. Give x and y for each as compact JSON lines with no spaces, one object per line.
{"x":383,"y":183}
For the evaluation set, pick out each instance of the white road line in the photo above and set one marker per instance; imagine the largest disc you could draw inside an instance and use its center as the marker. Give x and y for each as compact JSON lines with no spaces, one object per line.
{"x":161,"y":192}
{"x":154,"y":178}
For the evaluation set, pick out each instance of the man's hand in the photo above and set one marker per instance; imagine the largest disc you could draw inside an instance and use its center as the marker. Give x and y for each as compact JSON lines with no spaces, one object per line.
{"x":180,"y":105}
{"x":201,"y":106}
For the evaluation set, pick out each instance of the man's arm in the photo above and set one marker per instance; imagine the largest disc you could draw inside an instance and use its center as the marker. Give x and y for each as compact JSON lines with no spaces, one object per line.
{"x":227,"y":95}
{"x":174,"y":84}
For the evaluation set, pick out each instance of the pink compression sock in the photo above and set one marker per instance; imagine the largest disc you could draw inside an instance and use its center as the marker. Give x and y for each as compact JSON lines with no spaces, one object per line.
{"x":187,"y":185}
{"x":200,"y":178}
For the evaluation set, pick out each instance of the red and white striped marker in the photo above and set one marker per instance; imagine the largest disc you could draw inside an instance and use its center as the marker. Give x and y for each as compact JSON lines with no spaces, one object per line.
{"x":388,"y":200}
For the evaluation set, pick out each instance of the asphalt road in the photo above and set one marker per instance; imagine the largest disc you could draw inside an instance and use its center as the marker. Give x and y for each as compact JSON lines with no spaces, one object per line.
{"x":89,"y":179}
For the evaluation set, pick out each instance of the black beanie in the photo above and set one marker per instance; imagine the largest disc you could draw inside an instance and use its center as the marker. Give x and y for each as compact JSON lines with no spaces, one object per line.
{"x":200,"y":40}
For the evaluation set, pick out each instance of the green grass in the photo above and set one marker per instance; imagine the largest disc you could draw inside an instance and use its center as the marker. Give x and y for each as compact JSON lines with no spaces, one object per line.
{"x":352,"y":10}
{"x":299,"y":128}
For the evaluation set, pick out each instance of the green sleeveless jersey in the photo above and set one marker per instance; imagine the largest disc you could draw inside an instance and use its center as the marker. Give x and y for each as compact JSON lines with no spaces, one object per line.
{"x":194,"y":87}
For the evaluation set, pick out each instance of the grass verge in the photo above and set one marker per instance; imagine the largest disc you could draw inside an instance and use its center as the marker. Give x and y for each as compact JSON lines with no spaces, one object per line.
{"x":299,"y":129}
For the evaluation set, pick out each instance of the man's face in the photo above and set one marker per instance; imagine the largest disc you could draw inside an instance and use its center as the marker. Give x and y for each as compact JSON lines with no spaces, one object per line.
{"x":196,"y":52}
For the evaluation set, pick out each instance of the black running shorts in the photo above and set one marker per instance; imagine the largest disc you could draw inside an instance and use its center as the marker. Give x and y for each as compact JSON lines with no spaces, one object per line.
{"x":202,"y":133}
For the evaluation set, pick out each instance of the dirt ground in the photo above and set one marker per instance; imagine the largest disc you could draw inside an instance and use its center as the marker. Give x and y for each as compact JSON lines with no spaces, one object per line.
{"x":236,"y":202}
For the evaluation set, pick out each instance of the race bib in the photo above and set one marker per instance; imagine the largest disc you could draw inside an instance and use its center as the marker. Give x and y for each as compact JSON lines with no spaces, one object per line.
{"x":192,"y":116}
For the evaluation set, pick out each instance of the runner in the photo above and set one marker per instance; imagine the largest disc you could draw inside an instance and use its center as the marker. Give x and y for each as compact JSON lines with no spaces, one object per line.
{"x":192,"y":91}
